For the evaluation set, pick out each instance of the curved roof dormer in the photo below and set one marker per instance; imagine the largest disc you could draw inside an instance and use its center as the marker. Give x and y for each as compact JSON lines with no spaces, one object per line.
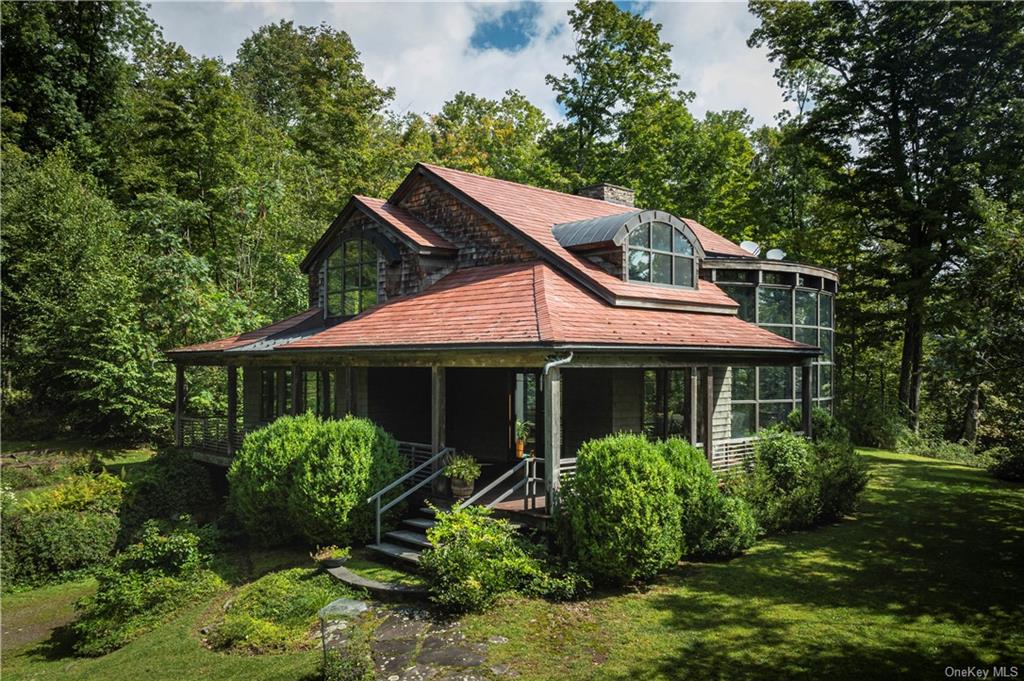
{"x":613,"y":230}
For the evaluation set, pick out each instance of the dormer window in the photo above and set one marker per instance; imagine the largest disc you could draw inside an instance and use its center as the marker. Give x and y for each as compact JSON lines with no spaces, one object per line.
{"x":660,"y":253}
{"x":350,"y":278}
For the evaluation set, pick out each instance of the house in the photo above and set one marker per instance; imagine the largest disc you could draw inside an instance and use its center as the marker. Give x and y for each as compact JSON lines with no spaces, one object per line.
{"x":462,"y":304}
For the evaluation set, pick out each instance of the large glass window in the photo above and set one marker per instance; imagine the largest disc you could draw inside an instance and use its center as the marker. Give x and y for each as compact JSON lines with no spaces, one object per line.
{"x":525,"y":405}
{"x":744,"y":295}
{"x":661,"y":254}
{"x":351,"y":278}
{"x":774,"y":305}
{"x":665,"y":403}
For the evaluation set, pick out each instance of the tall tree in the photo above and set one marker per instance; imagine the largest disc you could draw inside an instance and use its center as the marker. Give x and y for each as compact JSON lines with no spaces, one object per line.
{"x":915,"y":105}
{"x":65,"y":65}
{"x":619,"y":61}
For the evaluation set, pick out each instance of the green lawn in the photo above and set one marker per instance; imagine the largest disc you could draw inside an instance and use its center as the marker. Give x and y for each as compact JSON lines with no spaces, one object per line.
{"x":927,"y":575}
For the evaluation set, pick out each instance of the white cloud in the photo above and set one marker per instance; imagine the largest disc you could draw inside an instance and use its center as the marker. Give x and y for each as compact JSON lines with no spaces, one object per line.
{"x":423,"y":49}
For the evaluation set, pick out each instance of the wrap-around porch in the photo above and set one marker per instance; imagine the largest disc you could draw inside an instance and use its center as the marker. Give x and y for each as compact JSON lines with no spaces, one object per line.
{"x":470,"y":403}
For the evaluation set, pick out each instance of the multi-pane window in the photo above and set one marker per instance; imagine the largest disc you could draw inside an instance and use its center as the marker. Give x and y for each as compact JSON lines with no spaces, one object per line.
{"x":317,"y":392}
{"x":525,"y":404}
{"x":268,"y":394}
{"x":661,"y":254}
{"x":350,"y":278}
{"x":665,"y":403}
{"x":797,"y":307}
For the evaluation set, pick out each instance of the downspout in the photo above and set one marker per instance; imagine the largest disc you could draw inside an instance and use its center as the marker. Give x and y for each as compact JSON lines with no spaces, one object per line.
{"x":556,"y":363}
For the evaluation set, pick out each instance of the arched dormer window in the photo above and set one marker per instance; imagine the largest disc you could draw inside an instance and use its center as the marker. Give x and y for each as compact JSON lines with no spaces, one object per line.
{"x":350,"y":278}
{"x":660,"y":253}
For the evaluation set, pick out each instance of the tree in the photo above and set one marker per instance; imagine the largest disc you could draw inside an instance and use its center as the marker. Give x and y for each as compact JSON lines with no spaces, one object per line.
{"x":619,"y":61}
{"x":915,"y":105}
{"x":65,"y":67}
{"x":497,"y":138}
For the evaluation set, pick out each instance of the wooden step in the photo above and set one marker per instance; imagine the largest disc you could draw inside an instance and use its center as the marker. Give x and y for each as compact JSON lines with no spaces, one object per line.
{"x":395,"y":551}
{"x":420,"y":523}
{"x":417,"y":539}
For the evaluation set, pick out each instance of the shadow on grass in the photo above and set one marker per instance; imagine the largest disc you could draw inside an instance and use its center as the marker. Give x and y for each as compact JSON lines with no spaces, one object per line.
{"x":927,"y":575}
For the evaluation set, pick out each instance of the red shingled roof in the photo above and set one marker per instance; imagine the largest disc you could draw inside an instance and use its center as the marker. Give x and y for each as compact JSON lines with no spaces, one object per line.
{"x":713,"y":243}
{"x":534,"y":211}
{"x":249,"y":337}
{"x":530,"y":303}
{"x":406,"y":223}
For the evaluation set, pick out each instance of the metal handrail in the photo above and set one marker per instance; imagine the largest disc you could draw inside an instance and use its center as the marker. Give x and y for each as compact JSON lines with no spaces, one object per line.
{"x":376,"y":497}
{"x":491,"y":486}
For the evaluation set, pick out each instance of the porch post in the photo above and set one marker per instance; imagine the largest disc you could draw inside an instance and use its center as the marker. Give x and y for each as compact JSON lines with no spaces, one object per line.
{"x":694,"y":390}
{"x":296,"y":389}
{"x":179,"y":404}
{"x":709,"y":412}
{"x":552,"y":435}
{"x":232,"y":406}
{"x":805,"y":398}
{"x":437,"y":419}
{"x":282,"y":397}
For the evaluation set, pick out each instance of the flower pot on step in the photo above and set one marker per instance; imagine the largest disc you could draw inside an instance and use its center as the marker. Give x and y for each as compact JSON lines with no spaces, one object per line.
{"x":461,"y":489}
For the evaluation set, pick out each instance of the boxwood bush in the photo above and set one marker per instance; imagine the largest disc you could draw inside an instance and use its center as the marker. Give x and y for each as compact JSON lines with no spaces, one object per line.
{"x":302,"y":476}
{"x":713,"y":525}
{"x":620,"y":511}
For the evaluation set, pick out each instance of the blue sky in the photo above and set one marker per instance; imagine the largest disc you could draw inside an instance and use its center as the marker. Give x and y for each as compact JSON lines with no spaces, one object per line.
{"x":430,"y":51}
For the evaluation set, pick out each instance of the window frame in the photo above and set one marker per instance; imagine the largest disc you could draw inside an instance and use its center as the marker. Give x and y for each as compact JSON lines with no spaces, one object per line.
{"x":336,"y":269}
{"x":651,"y":251}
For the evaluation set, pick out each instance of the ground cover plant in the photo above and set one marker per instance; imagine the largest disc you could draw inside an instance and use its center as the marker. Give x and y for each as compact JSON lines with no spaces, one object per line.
{"x":277,"y":612}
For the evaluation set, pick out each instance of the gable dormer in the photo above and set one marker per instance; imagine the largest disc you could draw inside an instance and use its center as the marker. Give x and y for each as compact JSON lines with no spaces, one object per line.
{"x":373,"y":252}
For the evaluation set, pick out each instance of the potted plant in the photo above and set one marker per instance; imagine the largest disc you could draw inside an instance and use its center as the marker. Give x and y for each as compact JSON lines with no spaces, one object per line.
{"x":462,"y":470}
{"x":523,"y":430}
{"x":329,"y":556}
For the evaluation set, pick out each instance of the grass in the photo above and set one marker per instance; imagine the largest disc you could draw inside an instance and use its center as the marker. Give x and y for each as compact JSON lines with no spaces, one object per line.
{"x":927,"y":575}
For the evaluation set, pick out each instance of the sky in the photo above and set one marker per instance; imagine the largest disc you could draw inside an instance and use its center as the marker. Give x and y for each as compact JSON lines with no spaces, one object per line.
{"x":428,"y":51}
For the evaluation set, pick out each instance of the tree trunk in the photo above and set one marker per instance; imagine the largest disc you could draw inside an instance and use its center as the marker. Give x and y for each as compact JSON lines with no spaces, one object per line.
{"x":910,"y":361}
{"x":972,"y":413}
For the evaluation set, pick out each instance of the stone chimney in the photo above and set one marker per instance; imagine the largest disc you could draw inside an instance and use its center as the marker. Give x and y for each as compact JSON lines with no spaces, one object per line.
{"x":609,"y":192}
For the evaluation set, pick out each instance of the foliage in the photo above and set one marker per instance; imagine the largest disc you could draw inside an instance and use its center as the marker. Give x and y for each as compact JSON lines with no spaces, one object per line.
{"x":276,"y":612}
{"x":823,"y":425}
{"x":332,"y":552}
{"x":713,"y":525}
{"x":52,"y":533}
{"x":303,"y":476}
{"x":352,"y":661}
{"x":784,"y":456}
{"x":476,"y":558}
{"x":620,"y":511}
{"x":171,"y":484}
{"x":840,"y":476}
{"x":1006,"y":464}
{"x":462,"y":467}
{"x":147,"y":582}
{"x":523,"y":430}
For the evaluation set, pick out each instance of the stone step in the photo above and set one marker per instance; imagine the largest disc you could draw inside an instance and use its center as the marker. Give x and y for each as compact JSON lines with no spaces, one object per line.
{"x":397,"y":552}
{"x":417,"y":539}
{"x":420,"y":523}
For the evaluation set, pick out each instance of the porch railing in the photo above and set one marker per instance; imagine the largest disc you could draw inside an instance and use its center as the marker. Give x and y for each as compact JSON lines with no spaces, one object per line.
{"x":421,"y":472}
{"x":415,"y":453}
{"x":210,"y":434}
{"x":524,"y":475}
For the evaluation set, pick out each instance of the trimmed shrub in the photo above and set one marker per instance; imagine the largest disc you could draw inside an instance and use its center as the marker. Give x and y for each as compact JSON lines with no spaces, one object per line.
{"x":51,"y":534}
{"x":276,"y":612}
{"x":732,"y":529}
{"x":476,"y":558}
{"x":303,"y":476}
{"x":1006,"y":464}
{"x":260,"y":477}
{"x":823,"y":425}
{"x":713,"y":525}
{"x":784,"y":456}
{"x":347,"y":461}
{"x":621,"y":511}
{"x":840,"y":476}
{"x":146,"y":584}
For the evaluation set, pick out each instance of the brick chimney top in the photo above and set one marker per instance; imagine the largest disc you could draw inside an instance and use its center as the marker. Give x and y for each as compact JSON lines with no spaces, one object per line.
{"x":609,"y":192}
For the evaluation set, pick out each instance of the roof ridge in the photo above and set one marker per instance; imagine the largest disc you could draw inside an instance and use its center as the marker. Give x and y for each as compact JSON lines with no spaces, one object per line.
{"x":526,"y":186}
{"x":542,"y":308}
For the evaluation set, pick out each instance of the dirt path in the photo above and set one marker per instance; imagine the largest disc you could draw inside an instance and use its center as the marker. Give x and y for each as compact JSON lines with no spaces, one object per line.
{"x":31,"y":616}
